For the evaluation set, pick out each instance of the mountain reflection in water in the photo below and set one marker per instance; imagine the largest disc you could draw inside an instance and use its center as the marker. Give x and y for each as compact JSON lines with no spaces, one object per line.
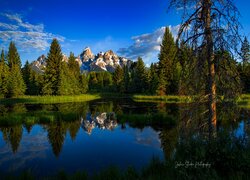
{"x":47,"y":138}
{"x":102,"y":121}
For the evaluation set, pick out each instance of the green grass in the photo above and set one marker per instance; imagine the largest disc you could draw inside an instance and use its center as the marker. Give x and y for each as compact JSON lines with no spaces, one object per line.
{"x":243,"y":100}
{"x":166,"y":99}
{"x":50,"y":99}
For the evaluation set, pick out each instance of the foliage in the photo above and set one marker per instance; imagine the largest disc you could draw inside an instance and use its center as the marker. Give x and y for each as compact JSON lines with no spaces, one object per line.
{"x":245,"y":51}
{"x":127,"y":79}
{"x":32,"y":80}
{"x":245,"y":77}
{"x":83,"y":83}
{"x":153,"y":79}
{"x":139,"y":77}
{"x":167,"y":65}
{"x":53,"y":70}
{"x":211,"y":26}
{"x":68,"y":84}
{"x":15,"y":84}
{"x":4,"y":75}
{"x":100,"y":81}
{"x":118,"y":79}
{"x":227,"y":77}
{"x":73,"y":74}
{"x":244,"y":67}
{"x":13,"y":56}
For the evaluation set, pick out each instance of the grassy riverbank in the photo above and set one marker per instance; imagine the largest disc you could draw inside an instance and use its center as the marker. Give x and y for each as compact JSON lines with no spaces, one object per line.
{"x":50,"y":99}
{"x":166,"y":99}
{"x":243,"y":100}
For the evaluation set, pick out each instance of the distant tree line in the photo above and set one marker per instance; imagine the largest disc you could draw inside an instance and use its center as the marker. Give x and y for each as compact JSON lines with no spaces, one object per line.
{"x":174,"y":73}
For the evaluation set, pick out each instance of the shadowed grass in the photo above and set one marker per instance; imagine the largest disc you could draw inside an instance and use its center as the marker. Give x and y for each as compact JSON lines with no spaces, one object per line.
{"x":243,"y":100}
{"x":49,"y":99}
{"x":38,"y":117}
{"x":166,"y":99}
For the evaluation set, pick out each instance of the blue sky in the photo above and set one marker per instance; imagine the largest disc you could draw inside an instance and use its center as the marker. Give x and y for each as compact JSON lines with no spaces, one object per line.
{"x":131,"y":28}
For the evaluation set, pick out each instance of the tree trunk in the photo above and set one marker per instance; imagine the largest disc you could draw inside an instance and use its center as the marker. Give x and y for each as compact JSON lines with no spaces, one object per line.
{"x":211,"y":69}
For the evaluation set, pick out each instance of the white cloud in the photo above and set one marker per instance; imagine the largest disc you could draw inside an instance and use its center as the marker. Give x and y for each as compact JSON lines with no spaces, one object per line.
{"x":147,"y":45}
{"x":27,"y":36}
{"x":8,"y":26}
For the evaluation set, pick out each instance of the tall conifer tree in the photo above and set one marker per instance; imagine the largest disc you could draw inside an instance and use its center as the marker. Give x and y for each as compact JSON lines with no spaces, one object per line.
{"x":118,"y":79}
{"x":4,"y":75}
{"x":140,"y":76}
{"x":245,"y":52}
{"x":13,"y":56}
{"x":166,"y":62}
{"x":16,"y":85}
{"x":154,"y":79}
{"x":52,"y":71}
{"x":74,"y":74}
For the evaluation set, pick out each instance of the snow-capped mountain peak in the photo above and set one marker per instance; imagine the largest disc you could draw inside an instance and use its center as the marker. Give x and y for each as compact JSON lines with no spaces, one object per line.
{"x":87,"y":61}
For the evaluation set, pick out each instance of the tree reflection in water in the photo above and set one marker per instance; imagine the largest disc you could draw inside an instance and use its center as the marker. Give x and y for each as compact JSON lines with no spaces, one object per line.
{"x":12,"y":136}
{"x":58,"y":119}
{"x":56,"y":135}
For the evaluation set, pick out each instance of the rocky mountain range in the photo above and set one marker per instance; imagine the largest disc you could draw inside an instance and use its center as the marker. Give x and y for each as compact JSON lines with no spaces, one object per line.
{"x":87,"y":61}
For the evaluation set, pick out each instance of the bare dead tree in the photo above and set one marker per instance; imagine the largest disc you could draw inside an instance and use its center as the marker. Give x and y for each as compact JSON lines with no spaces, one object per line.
{"x":209,"y":26}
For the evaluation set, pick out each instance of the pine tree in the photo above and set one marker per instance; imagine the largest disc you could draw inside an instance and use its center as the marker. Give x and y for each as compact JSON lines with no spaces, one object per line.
{"x":99,"y":76}
{"x":74,"y":66}
{"x":93,"y":82}
{"x":16,"y":85}
{"x":245,"y":66}
{"x":228,"y":78}
{"x":64,"y":83}
{"x":107,"y":81}
{"x":161,"y":89}
{"x":166,"y":62}
{"x":52,"y":71}
{"x":118,"y":79}
{"x":36,"y":81}
{"x":127,"y":79}
{"x":154,"y":80}
{"x":245,"y":52}
{"x":32,"y":80}
{"x":140,"y":77}
{"x":84,"y":83}
{"x":26,"y":71}
{"x":186,"y":59}
{"x":13,"y":56}
{"x":74,"y":74}
{"x":4,"y":75}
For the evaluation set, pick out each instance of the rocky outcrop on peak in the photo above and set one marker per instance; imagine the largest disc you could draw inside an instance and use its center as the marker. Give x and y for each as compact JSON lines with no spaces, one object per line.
{"x":107,"y":61}
{"x":40,"y":64}
{"x":87,"y":55}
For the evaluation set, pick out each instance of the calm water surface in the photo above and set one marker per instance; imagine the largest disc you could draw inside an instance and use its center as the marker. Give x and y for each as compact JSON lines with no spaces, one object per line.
{"x":87,"y":136}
